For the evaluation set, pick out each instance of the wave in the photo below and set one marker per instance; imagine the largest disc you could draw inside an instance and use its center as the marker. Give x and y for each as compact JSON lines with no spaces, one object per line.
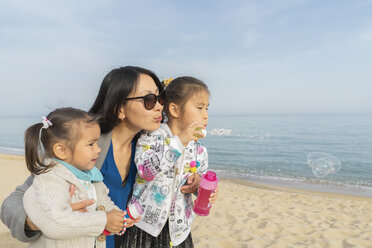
{"x":12,"y":150}
{"x":358,"y":188}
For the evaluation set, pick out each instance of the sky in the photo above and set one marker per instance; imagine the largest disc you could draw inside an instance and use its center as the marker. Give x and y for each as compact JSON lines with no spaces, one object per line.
{"x":257,"y":57}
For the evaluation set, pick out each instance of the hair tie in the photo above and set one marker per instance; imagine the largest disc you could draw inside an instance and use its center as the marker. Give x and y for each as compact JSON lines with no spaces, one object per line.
{"x":167,"y":81}
{"x":46,"y":123}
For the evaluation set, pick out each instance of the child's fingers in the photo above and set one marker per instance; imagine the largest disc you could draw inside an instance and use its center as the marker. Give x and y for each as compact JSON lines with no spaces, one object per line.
{"x":79,"y":206}
{"x":82,"y":205}
{"x":198,"y":133}
{"x":196,"y":126}
{"x":193,"y":182}
{"x":131,"y":222}
{"x":72,"y":189}
{"x":212,"y":200}
{"x":213,"y":197}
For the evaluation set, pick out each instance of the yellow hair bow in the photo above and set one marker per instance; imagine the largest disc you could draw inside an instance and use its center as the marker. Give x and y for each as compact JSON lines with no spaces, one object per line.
{"x":167,"y":81}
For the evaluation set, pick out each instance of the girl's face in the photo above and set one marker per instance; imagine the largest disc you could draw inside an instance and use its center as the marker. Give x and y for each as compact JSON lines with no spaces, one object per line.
{"x":86,"y":150}
{"x":196,"y":109}
{"x":137,"y":117}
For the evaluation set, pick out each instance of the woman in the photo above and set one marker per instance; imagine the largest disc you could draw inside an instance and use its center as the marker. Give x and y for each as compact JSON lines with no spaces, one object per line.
{"x":128,"y":101}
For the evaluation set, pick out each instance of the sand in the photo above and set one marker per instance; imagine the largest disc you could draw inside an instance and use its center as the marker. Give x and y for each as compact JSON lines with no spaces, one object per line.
{"x":253,"y":215}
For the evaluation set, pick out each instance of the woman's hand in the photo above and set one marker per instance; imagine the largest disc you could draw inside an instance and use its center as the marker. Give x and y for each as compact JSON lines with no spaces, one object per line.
{"x":79,"y":206}
{"x":193,"y":184}
{"x":31,"y":226}
{"x":213,"y":197}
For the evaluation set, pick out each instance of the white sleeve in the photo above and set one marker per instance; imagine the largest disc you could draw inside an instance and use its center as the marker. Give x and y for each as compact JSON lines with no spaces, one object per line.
{"x":102,"y":195}
{"x":202,"y":157}
{"x":155,"y":154}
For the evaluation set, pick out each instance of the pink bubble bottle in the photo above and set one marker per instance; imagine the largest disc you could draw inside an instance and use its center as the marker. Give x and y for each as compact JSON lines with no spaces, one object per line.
{"x":208,"y":184}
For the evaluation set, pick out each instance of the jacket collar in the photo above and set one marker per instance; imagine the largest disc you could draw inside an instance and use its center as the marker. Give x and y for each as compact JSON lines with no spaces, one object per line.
{"x":93,"y":175}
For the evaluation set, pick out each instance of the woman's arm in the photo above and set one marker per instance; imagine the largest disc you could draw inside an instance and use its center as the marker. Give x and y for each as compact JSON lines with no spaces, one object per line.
{"x":13,"y":214}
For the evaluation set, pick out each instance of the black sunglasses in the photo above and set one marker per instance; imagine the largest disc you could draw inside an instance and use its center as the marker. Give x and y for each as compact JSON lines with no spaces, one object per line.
{"x":150,"y":100}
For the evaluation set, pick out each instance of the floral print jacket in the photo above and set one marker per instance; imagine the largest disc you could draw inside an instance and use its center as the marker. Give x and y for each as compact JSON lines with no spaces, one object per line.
{"x":164,"y":165}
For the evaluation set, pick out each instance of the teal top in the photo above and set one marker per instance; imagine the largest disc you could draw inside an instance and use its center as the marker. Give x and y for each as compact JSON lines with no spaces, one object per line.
{"x":120,"y":191}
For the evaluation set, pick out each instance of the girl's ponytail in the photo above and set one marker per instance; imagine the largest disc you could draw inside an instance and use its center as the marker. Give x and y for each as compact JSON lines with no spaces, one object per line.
{"x":33,"y":148}
{"x":59,"y":126}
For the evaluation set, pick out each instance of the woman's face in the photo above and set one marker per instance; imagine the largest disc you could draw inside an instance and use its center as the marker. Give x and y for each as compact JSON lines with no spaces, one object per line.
{"x":137,"y":117}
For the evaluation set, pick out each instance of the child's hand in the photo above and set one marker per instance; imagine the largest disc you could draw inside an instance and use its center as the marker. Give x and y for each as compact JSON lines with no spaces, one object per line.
{"x":115,"y":221}
{"x":192,"y":132}
{"x":79,"y":206}
{"x":192,"y":186}
{"x":213,"y":197}
{"x":130,"y":222}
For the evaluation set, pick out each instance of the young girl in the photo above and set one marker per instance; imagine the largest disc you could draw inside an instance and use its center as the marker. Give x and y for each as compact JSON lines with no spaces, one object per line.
{"x":165,"y":158}
{"x":69,"y":143}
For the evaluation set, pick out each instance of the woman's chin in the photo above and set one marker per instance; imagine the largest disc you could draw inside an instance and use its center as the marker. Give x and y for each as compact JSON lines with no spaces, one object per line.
{"x":153,"y":127}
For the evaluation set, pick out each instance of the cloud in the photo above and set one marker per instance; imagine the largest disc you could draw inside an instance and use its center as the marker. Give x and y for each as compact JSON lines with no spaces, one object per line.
{"x":255,"y":56}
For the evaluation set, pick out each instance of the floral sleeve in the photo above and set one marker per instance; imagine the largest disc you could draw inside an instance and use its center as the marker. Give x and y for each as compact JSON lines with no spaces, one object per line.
{"x":202,"y":158}
{"x":156,"y":153}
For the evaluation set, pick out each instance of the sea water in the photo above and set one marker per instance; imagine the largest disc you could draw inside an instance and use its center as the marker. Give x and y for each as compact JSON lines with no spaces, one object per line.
{"x":270,"y":149}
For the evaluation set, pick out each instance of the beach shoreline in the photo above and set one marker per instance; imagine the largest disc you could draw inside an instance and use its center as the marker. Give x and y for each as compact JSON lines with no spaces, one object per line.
{"x":294,"y":184}
{"x":250,"y":214}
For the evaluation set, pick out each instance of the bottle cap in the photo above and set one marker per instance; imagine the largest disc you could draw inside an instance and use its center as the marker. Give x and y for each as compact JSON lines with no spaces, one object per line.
{"x":210,"y":175}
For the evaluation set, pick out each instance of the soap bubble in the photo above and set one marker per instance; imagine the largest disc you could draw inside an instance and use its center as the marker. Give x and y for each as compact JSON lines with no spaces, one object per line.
{"x":323,"y":164}
{"x":260,"y":137}
{"x":220,"y":132}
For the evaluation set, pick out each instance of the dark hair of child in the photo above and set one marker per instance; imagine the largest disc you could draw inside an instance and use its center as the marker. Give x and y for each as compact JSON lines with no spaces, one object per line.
{"x":65,"y":128}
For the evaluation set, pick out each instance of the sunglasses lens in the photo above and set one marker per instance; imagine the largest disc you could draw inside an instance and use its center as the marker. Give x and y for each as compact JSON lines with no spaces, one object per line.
{"x":161,"y":98}
{"x":150,"y":101}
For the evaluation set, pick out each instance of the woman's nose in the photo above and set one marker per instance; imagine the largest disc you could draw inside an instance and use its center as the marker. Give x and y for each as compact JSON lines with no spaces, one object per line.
{"x":158,"y":106}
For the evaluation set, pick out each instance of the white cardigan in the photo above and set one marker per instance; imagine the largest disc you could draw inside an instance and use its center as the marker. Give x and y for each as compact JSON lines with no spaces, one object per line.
{"x":47,"y":204}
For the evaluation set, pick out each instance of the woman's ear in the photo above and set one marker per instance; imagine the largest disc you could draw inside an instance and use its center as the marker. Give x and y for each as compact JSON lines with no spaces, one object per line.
{"x":121,"y":113}
{"x":60,"y":151}
{"x":174,"y":110}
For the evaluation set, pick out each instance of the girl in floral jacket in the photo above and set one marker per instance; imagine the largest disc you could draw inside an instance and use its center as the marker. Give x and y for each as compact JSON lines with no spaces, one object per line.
{"x":165,"y":158}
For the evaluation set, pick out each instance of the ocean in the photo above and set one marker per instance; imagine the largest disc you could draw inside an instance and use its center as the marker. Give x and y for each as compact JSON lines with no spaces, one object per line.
{"x":270,"y":149}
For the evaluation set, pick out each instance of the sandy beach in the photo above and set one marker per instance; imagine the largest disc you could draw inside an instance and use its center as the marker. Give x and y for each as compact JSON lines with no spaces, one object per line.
{"x":253,"y":215}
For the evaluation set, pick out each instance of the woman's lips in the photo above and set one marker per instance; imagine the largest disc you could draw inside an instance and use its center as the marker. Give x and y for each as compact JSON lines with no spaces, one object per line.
{"x":158,"y":119}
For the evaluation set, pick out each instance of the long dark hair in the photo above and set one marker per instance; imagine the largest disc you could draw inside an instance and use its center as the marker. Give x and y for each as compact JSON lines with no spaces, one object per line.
{"x":64,"y":128}
{"x":115,"y":88}
{"x":180,"y":90}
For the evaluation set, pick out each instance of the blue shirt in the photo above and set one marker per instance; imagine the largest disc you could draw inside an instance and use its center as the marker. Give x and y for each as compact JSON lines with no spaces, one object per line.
{"x":111,"y":177}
